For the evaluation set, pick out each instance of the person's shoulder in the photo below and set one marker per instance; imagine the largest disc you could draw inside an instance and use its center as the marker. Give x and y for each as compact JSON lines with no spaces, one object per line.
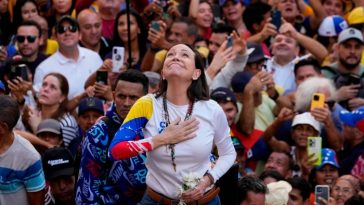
{"x":146,"y":99}
{"x":67,"y":119}
{"x":96,"y":134}
{"x":50,"y":59}
{"x":25,"y":149}
{"x":361,"y":70}
{"x":209,"y":104}
{"x":330,"y":71}
{"x":88,"y":52}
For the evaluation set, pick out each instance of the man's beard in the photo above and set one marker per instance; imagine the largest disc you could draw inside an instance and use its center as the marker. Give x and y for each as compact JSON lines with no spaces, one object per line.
{"x":349,"y":66}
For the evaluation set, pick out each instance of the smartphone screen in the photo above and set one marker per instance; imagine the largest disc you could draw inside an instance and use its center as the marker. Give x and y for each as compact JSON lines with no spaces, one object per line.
{"x":276,"y":18}
{"x":155,"y":25}
{"x":318,"y":100}
{"x":19,"y":71}
{"x":22,"y":71}
{"x":229,"y":41}
{"x":321,"y":191}
{"x":101,"y":77}
{"x":314,"y":145}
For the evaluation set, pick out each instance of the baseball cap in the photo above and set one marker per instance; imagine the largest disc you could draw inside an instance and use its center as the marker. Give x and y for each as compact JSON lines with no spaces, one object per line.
{"x":306,"y":118}
{"x":49,"y":125}
{"x":2,"y":86}
{"x":58,"y":162}
{"x":356,"y":16}
{"x":328,"y":157}
{"x":69,"y":19}
{"x":240,"y":80}
{"x":353,"y":118}
{"x":350,"y":33}
{"x":332,"y":26}
{"x":257,"y":53}
{"x":222,"y":2}
{"x":90,"y":103}
{"x":222,"y":93}
{"x":278,"y":193}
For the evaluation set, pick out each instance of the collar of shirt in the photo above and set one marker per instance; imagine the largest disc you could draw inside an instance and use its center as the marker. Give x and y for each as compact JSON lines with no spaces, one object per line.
{"x":63,"y":59}
{"x":271,"y":63}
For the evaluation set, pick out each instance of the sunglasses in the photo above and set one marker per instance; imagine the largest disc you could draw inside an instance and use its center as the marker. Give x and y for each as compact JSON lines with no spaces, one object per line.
{"x":63,"y":29}
{"x":30,"y":39}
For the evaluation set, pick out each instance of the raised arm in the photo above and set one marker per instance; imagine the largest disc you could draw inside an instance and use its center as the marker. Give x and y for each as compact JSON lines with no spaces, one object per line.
{"x":268,"y":135}
{"x":314,"y":47}
{"x":193,"y":9}
{"x":240,"y":56}
{"x":318,"y":14}
{"x":158,"y":42}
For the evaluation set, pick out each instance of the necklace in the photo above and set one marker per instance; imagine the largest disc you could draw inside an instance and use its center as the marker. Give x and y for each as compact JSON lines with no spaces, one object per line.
{"x":166,"y":118}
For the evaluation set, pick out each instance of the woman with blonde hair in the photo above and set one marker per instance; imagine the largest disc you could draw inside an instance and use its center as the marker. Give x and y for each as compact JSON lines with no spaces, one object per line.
{"x":345,"y":187}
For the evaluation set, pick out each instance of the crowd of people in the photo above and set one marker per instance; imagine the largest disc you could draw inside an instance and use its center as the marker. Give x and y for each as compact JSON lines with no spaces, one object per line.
{"x":212,"y":104}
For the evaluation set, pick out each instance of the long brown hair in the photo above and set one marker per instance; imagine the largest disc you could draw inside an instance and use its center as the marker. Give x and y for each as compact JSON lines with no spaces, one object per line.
{"x":63,"y":84}
{"x":198,"y":90}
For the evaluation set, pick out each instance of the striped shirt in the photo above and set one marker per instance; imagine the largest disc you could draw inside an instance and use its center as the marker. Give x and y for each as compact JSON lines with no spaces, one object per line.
{"x":20,"y":172}
{"x":69,"y":128}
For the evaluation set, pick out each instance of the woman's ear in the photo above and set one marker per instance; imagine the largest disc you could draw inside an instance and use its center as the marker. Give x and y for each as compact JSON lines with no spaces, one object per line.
{"x":162,"y":75}
{"x":196,"y":74}
{"x":62,"y":99}
{"x":4,"y":128}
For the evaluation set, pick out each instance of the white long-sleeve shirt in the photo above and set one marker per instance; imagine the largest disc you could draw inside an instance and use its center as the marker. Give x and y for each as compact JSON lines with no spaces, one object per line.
{"x":191,"y":156}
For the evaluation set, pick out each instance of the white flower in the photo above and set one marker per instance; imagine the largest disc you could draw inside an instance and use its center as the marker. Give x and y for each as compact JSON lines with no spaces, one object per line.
{"x":190,"y":181}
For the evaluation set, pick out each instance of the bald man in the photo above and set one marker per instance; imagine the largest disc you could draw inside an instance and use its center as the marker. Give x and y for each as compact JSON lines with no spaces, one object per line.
{"x":91,"y":27}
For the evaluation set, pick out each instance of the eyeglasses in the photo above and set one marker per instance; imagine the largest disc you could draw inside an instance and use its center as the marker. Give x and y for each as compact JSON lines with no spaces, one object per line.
{"x":342,"y":190}
{"x":63,"y":29}
{"x":30,"y":39}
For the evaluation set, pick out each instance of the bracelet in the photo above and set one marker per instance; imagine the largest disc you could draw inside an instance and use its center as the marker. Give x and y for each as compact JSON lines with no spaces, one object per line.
{"x":211,"y":178}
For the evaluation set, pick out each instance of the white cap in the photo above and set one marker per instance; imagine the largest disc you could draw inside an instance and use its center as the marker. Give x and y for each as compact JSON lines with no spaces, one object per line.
{"x":350,"y":33}
{"x":306,"y":118}
{"x":332,"y":26}
{"x":277,"y":193}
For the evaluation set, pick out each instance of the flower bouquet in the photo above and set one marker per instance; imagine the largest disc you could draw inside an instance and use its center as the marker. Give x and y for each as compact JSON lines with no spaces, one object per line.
{"x":190,"y":181}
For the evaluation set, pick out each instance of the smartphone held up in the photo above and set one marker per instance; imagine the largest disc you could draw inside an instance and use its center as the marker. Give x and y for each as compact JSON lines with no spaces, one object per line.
{"x":317,"y":101}
{"x":322,"y":193}
{"x":314,"y":146}
{"x":117,"y":58}
{"x":101,"y":77}
{"x":20,"y":70}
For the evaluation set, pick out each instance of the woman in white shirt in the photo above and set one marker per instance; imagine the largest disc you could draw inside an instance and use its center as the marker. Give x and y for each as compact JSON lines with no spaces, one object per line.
{"x":178,"y":128}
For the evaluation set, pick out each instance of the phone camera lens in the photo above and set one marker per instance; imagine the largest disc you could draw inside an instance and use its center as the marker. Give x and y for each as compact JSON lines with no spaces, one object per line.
{"x":315,"y":97}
